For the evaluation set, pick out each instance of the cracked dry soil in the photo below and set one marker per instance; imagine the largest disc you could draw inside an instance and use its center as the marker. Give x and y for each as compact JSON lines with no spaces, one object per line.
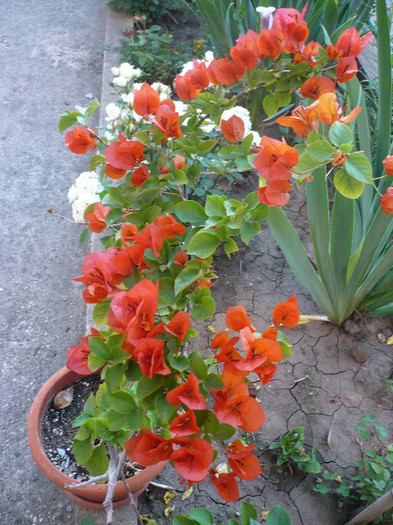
{"x":342,"y":373}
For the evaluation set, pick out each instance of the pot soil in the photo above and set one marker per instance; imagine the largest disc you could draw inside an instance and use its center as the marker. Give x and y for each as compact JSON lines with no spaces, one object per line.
{"x":93,"y":495}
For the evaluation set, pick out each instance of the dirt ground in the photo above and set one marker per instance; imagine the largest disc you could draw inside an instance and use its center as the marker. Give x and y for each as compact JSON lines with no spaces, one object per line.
{"x":336,"y":375}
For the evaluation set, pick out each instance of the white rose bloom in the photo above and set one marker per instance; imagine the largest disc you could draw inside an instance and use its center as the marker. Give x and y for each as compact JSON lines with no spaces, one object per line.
{"x":128,"y":98}
{"x":112,"y":111}
{"x":120,"y":81}
{"x":186,"y":67}
{"x":242,"y":113}
{"x":115,"y":71}
{"x":109,"y":136}
{"x":136,"y":117}
{"x":138,"y":85}
{"x":83,"y":193}
{"x":162,"y":89}
{"x":181,"y":108}
{"x":126,"y":70}
{"x":209,"y":57}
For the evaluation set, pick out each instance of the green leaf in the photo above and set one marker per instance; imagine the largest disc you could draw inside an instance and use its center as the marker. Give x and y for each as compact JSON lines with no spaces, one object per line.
{"x":320,"y":150}
{"x":248,"y":231}
{"x":205,"y":309}
{"x":205,"y":146}
{"x":166,"y":290}
{"x":347,"y":186}
{"x":203,"y":244}
{"x":270,"y":105}
{"x":98,"y":348}
{"x":96,"y":161}
{"x":214,"y":206}
{"x":185,"y":278}
{"x":179,"y":362}
{"x":122,"y":401}
{"x":68,"y":120}
{"x":146,"y":386}
{"x":278,"y":516}
{"x":84,"y":235}
{"x":100,"y":312}
{"x":202,"y":516}
{"x":340,"y":134}
{"x":198,"y":366}
{"x":247,"y":511}
{"x":114,"y":376}
{"x":163,"y":409}
{"x":82,"y":451}
{"x":99,"y":461}
{"x":113,"y":215}
{"x":358,"y":167}
{"x":190,"y":211}
{"x":93,"y":106}
{"x":224,"y":432}
{"x":179,"y":519}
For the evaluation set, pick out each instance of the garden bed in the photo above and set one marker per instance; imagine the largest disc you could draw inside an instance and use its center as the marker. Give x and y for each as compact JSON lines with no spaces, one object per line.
{"x":336,"y":376}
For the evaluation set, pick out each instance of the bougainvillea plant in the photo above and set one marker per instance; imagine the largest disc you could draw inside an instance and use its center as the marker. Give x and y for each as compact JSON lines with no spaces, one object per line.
{"x":162,"y":221}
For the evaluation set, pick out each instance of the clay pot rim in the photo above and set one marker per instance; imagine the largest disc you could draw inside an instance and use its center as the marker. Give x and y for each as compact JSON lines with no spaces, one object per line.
{"x":95,"y":492}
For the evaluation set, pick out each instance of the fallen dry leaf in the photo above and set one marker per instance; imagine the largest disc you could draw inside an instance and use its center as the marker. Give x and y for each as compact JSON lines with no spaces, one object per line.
{"x":390,"y":340}
{"x":187,"y":493}
{"x":168,"y":510}
{"x":64,"y":398}
{"x":168,"y":496}
{"x":211,"y":329}
{"x":264,"y":514}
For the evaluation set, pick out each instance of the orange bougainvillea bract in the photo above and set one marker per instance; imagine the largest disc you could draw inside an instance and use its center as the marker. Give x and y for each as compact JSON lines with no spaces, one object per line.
{"x":387,"y":164}
{"x":188,"y":394}
{"x":96,"y":219}
{"x":146,"y":100}
{"x":314,"y":87}
{"x":387,"y":201}
{"x":79,"y":140}
{"x":233,"y":128}
{"x":123,"y":154}
{"x":286,"y":313}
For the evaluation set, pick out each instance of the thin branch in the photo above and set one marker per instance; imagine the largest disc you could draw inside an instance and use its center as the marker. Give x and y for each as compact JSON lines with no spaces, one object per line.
{"x":132,"y":501}
{"x":55,"y":214}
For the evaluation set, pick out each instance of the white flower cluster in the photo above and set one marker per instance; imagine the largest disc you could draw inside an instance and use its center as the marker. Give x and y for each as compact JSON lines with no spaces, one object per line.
{"x":242,"y":113}
{"x":208,"y":58}
{"x":83,"y":193}
{"x":124,"y":73}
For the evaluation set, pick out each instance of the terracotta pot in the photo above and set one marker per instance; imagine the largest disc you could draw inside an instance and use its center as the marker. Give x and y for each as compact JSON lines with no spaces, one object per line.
{"x":90,"y":496}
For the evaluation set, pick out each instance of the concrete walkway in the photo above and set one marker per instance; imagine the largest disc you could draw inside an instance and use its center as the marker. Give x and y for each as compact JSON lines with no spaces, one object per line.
{"x":51,"y":57}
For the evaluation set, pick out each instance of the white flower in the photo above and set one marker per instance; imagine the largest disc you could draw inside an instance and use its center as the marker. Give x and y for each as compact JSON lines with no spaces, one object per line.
{"x":186,"y":67}
{"x":128,"y":98}
{"x":181,"y":108}
{"x":129,"y":71}
{"x":209,"y":57}
{"x":162,"y":89}
{"x":112,"y":111}
{"x":266,"y":17}
{"x":242,"y":113}
{"x":120,"y":81}
{"x":256,"y":138}
{"x":83,"y":193}
{"x":109,"y":136}
{"x":115,"y":71}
